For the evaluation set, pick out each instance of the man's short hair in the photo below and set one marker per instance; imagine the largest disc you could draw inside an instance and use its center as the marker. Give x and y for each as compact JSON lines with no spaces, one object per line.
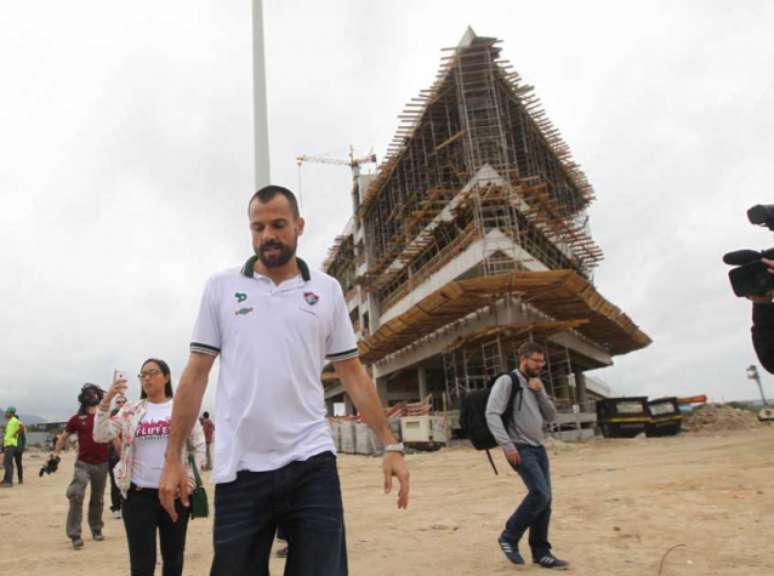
{"x":205,"y":415}
{"x":266,"y":193}
{"x":529,"y":348}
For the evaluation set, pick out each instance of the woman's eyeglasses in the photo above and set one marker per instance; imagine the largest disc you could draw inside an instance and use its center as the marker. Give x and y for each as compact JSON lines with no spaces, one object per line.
{"x":149,"y":373}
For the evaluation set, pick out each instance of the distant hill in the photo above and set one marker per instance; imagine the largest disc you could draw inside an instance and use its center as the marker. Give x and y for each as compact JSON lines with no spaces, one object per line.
{"x":31,"y":419}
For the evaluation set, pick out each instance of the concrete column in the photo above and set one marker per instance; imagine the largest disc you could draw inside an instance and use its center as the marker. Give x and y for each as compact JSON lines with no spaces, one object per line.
{"x":422,"y":378}
{"x":580,"y":389}
{"x":381,"y":389}
{"x":562,"y":388}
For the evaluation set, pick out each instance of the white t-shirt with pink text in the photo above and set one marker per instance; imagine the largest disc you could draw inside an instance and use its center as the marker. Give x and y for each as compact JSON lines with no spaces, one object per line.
{"x":150,"y":442}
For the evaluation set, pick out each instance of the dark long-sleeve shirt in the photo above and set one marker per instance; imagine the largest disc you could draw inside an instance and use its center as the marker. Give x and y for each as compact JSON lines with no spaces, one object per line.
{"x":763,"y":334}
{"x":529,"y":413}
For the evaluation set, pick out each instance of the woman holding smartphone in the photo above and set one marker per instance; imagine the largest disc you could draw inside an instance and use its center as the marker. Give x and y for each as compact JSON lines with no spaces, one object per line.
{"x":143,"y":428}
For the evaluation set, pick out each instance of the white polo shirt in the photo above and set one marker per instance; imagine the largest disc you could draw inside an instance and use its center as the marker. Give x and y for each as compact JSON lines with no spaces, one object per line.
{"x":273,"y":341}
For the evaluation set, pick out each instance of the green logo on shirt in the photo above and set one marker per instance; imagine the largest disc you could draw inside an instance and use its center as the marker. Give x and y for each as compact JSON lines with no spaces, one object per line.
{"x":243,"y":311}
{"x":240,"y":296}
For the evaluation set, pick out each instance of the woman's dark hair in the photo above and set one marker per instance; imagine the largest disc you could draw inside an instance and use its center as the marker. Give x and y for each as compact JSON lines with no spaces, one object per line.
{"x":164,"y":370}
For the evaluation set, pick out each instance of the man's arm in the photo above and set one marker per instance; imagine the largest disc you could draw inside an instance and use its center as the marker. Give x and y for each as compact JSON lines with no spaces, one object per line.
{"x":188,"y":400}
{"x":362,"y":391}
{"x":547,"y":408}
{"x":60,"y":442}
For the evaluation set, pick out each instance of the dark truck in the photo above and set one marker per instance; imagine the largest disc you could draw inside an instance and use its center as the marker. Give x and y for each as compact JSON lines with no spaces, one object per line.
{"x":623,"y":417}
{"x":665,"y":417}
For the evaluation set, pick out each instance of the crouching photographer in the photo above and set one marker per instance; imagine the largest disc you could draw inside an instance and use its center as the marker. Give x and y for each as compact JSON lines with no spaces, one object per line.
{"x":753,"y":278}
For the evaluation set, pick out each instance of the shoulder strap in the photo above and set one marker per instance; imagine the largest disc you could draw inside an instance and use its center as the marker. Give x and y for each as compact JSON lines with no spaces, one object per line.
{"x":192,"y":462}
{"x":515,"y":388}
{"x":515,"y":375}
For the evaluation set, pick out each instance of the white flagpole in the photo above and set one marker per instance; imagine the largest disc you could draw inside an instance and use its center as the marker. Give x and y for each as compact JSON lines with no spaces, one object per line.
{"x":261,"y":126}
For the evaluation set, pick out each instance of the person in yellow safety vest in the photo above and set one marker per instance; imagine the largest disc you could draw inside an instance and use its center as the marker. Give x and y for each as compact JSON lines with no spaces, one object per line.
{"x":10,"y":445}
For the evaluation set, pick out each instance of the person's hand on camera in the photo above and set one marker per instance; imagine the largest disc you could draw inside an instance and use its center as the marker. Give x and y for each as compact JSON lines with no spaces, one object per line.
{"x":767,"y":297}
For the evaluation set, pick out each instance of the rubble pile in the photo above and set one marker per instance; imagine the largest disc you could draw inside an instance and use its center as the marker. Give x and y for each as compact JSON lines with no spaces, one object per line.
{"x":718,"y":417}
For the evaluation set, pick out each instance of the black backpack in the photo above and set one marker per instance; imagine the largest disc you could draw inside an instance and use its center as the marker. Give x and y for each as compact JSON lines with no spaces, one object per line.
{"x":473,"y":414}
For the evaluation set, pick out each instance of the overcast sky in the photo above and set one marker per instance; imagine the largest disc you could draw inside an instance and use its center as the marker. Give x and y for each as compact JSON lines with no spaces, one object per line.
{"x":126,"y":162}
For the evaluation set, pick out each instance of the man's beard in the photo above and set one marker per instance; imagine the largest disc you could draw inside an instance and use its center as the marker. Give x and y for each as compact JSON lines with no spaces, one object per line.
{"x":283,"y":257}
{"x":91,"y":399}
{"x":531,"y":373}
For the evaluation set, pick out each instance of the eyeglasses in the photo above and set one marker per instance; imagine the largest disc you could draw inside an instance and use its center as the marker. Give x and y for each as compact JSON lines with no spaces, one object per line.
{"x":149,"y":373}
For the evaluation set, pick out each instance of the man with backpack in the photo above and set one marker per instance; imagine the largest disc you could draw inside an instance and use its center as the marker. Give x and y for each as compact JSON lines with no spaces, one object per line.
{"x":519,"y":431}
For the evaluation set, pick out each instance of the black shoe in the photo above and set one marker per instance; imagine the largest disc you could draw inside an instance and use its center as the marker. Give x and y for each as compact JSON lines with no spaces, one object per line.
{"x":550,"y":561}
{"x":511,"y":550}
{"x":98,"y":536}
{"x":77,"y":543}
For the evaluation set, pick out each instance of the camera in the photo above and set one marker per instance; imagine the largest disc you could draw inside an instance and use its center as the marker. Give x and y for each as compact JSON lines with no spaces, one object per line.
{"x":50,"y":466}
{"x":751,"y":276}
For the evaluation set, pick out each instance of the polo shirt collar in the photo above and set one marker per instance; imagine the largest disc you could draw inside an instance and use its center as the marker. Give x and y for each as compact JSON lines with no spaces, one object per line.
{"x":249,"y":268}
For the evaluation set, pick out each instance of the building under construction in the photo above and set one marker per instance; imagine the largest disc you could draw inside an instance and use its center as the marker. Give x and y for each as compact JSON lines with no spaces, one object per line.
{"x":471,"y":238}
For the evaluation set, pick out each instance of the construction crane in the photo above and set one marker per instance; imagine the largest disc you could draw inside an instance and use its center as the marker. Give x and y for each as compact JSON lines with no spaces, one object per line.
{"x":352,"y":162}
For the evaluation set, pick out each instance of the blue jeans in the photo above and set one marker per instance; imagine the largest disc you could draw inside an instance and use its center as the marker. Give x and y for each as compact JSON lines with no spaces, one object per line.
{"x":303,"y":499}
{"x":534,"y":512}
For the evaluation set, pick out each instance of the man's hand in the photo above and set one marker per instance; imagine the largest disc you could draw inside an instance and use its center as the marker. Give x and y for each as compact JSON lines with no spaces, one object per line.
{"x":761,"y":298}
{"x":764,"y":298}
{"x":173,"y":484}
{"x":513,"y":457}
{"x":362,"y":391}
{"x":534,"y":384}
{"x":394,"y":465}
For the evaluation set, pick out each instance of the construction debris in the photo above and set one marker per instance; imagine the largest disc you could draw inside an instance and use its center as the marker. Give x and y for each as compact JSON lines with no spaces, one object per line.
{"x":719,"y":417}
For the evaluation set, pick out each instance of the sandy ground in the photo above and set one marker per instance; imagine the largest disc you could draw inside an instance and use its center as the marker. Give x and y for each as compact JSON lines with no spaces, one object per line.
{"x":619,"y":506}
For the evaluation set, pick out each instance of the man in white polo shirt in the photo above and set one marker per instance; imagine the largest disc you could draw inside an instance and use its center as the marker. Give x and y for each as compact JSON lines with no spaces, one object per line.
{"x":274,"y":323}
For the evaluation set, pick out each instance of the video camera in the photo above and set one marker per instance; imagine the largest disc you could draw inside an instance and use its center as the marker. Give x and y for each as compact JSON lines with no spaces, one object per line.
{"x":751,"y":276}
{"x":50,"y":466}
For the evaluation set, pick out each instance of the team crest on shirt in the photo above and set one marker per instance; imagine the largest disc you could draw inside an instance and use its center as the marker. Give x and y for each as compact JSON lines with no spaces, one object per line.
{"x":311,"y":298}
{"x":240,"y":297}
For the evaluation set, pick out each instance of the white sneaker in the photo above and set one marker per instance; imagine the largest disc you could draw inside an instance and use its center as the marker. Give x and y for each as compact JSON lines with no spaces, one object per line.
{"x":117,"y":514}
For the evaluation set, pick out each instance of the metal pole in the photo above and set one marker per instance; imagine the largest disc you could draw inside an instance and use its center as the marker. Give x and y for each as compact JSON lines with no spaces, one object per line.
{"x":752,"y":374}
{"x":260,"y":122}
{"x":760,"y":388}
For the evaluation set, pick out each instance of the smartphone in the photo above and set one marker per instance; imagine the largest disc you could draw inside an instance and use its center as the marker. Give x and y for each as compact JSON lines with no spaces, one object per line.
{"x":121,"y":375}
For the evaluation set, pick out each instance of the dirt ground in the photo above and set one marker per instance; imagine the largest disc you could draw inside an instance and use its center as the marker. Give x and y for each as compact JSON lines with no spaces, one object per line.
{"x":619,"y":506}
